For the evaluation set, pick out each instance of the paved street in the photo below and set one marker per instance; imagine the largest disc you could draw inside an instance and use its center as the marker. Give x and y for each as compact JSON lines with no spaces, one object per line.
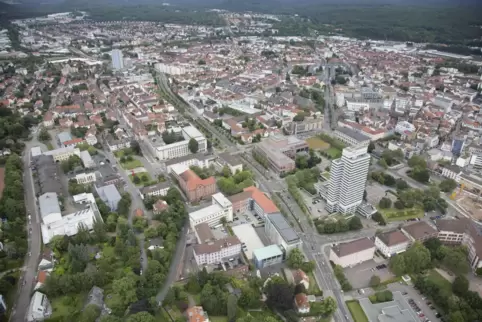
{"x":35,"y":243}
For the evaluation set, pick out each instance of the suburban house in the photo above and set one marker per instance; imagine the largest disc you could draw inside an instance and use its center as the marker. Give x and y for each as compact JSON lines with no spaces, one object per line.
{"x":39,"y":308}
{"x":196,"y":314}
{"x":302,"y":303}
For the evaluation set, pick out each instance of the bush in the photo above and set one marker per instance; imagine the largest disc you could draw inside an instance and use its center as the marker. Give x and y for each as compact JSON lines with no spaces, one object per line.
{"x":385,"y":203}
{"x":398,"y":204}
{"x":377,"y":217}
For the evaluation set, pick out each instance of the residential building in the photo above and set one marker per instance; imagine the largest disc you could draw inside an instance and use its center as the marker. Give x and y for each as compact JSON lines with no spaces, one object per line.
{"x":300,"y":277}
{"x":54,"y":224}
{"x":39,"y":308}
{"x":348,"y":176}
{"x":87,"y":159}
{"x":253,"y":199}
{"x":302,"y":303}
{"x":47,"y":173}
{"x":194,"y":187}
{"x":117,"y":59}
{"x":91,"y":139}
{"x":267,"y":256}
{"x":196,"y":314}
{"x":281,"y":233}
{"x":72,"y":143}
{"x":352,"y":253}
{"x":351,"y":137}
{"x":110,"y":195}
{"x":86,"y":178}
{"x":306,"y":126}
{"x":159,"y":189}
{"x":215,"y":252}
{"x":419,"y":231}
{"x":63,"y":137}
{"x":159,"y":207}
{"x":203,"y":233}
{"x":404,"y":126}
{"x":115,"y":144}
{"x":392,"y":243}
{"x":280,"y":152}
{"x":63,"y":154}
{"x":233,"y":162}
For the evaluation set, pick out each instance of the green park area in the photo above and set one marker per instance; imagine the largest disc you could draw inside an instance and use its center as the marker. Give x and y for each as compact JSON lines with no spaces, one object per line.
{"x":356,"y":311}
{"x":437,"y":279}
{"x":393,"y":214}
{"x":127,"y":160}
{"x":317,"y":144}
{"x":49,"y":146}
{"x":141,"y":179}
{"x":333,"y":153}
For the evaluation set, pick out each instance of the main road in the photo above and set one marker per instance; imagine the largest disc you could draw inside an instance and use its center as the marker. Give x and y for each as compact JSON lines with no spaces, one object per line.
{"x":20,"y":308}
{"x":311,"y":240}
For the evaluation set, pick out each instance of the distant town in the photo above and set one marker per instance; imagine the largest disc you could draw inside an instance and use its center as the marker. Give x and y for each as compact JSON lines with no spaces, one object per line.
{"x":164,"y":172}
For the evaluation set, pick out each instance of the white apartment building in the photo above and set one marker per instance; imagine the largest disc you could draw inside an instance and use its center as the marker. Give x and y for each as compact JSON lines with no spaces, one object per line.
{"x":39,"y":308}
{"x":357,"y":105}
{"x":85,"y":178}
{"x":220,"y":207}
{"x":403,"y":126}
{"x":159,"y":189}
{"x":348,"y":178}
{"x":214,"y":252}
{"x":87,"y":160}
{"x":392,"y":243}
{"x":198,"y":160}
{"x":352,"y":253}
{"x":180,"y":149}
{"x":63,"y":154}
{"x":351,"y":137}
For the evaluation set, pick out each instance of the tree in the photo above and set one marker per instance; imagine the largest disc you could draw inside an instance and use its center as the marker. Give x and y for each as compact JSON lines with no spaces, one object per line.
{"x":136,"y":179}
{"x":383,"y":163}
{"x":295,"y":259}
{"x":385,"y":203}
{"x":371,"y":147}
{"x":448,"y":185}
{"x":141,"y":317}
{"x":456,"y":261}
{"x":328,"y":306}
{"x":355,"y":223}
{"x":420,"y":174}
{"x":90,"y":313}
{"x":232,"y":307}
{"x":44,"y":135}
{"x":401,"y":184}
{"x":279,"y":295}
{"x":398,"y":265}
{"x":375,"y":281}
{"x":193,"y":145}
{"x":460,"y":285}
{"x":417,"y":161}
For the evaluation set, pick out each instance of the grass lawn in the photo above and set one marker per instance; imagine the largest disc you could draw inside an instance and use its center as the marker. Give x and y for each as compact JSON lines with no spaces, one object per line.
{"x":326,"y":175}
{"x":49,"y":146}
{"x":313,"y":289}
{"x":64,"y":306}
{"x":356,"y":311}
{"x":218,"y":318}
{"x":131,"y":164}
{"x":143,"y":177}
{"x":260,"y":315}
{"x":393,"y":214}
{"x":317,"y":144}
{"x":438,"y":279}
{"x":334,"y":153}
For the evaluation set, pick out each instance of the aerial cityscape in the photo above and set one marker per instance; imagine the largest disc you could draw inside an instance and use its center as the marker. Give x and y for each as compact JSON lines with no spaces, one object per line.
{"x":216,"y":165}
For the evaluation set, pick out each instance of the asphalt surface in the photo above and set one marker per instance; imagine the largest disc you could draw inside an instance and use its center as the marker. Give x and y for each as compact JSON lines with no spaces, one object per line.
{"x":28,"y":280}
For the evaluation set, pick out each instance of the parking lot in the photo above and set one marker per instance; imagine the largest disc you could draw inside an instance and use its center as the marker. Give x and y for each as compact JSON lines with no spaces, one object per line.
{"x":359,"y":276}
{"x":418,"y":302}
{"x":247,"y":218}
{"x":315,"y":204}
{"x":375,"y":192}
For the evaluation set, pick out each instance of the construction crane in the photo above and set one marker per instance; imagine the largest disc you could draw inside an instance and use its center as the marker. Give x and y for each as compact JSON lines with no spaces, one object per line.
{"x":454,"y":194}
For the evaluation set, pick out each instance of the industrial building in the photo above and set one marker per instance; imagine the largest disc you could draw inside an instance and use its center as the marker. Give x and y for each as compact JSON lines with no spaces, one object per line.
{"x":47,"y":172}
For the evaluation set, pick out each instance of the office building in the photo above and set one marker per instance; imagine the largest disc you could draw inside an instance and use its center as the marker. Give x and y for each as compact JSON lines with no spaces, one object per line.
{"x":110,"y":195}
{"x":214,"y":252}
{"x":280,"y":152}
{"x":351,"y":137}
{"x":178,"y":149}
{"x":158,"y":189}
{"x":194,"y":187}
{"x":352,"y":253}
{"x":220,"y":207}
{"x":419,"y":231}
{"x":267,"y":256}
{"x":86,"y":178}
{"x":63,"y":154}
{"x":392,"y":243}
{"x":281,"y":233}
{"x":348,"y":177}
{"x":198,"y":159}
{"x":117,"y":59}
{"x":253,"y":199}
{"x":308,"y":125}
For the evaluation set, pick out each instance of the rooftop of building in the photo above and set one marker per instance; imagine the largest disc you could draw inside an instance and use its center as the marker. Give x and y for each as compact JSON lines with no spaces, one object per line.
{"x":285,"y":230}
{"x":353,"y":134}
{"x":392,"y":238}
{"x":156,"y":187}
{"x":420,"y":230}
{"x":353,"y":247}
{"x":267,"y":252}
{"x":204,"y":233}
{"x":193,"y":181}
{"x":216,"y":246}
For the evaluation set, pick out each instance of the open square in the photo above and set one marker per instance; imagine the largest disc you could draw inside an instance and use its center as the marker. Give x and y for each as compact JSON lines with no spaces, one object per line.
{"x":317,"y":143}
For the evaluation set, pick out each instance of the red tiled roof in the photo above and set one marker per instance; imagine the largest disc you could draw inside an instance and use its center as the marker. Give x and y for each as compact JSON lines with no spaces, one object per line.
{"x":193,"y":181}
{"x":264,"y":202}
{"x":42,"y":277}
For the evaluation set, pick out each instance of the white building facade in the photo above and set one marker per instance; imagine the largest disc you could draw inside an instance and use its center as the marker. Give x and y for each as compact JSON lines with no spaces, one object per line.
{"x":348,"y":178}
{"x":220,"y":207}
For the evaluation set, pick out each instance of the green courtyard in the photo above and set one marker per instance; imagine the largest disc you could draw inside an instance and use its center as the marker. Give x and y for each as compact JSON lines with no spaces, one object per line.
{"x":356,"y":311}
{"x":393,"y":214}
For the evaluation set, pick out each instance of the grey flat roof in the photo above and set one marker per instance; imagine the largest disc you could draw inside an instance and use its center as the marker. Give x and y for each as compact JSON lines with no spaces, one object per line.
{"x":48,"y":204}
{"x":156,"y":187}
{"x":353,"y":134}
{"x":47,"y":174}
{"x":230,"y":159}
{"x":199,"y":156}
{"x":286,"y":231}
